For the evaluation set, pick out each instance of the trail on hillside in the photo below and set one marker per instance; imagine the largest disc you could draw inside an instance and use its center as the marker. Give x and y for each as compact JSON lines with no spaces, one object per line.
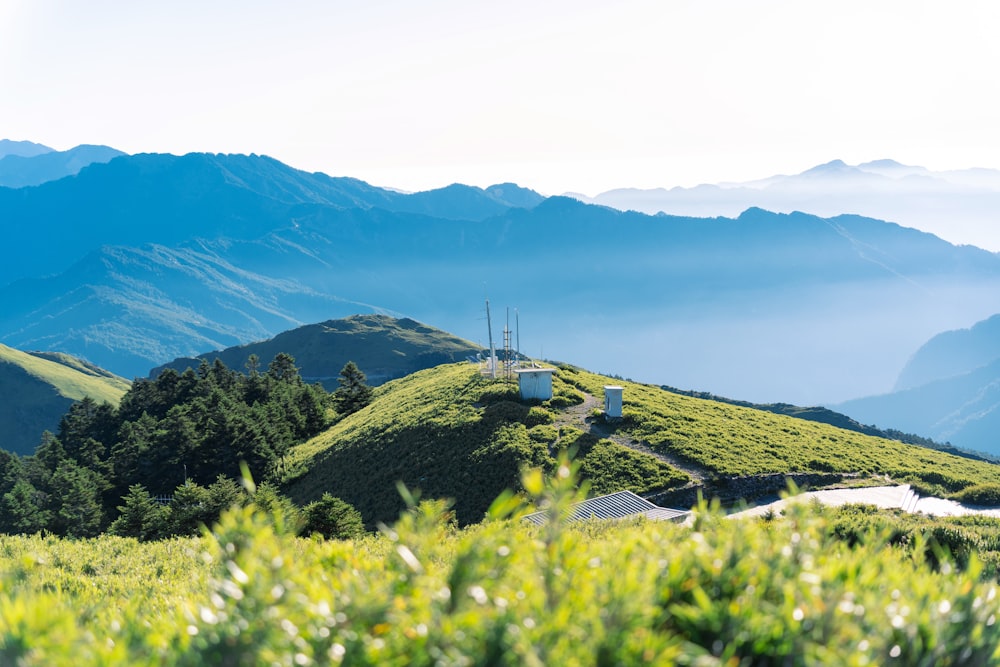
{"x":580,"y":417}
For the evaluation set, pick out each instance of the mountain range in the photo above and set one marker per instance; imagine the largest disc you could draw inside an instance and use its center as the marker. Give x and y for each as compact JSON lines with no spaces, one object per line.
{"x":949,"y":390}
{"x":35,"y":164}
{"x":957,"y":205}
{"x":135,"y":262}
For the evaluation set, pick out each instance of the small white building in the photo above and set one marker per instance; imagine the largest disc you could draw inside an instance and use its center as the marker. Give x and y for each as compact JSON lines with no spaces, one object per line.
{"x":612,"y":402}
{"x":535,"y":383}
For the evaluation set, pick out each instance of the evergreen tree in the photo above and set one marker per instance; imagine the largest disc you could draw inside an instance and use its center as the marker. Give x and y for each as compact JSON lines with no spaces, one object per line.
{"x":354,"y":392}
{"x":190,"y":510}
{"x":141,"y":516}
{"x":333,"y":518}
{"x":21,"y":510}
{"x":285,"y":516}
{"x":282,"y":368}
{"x":76,"y":501}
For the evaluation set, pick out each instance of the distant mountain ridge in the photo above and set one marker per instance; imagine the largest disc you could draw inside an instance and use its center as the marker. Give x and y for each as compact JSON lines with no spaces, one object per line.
{"x":22,"y":148}
{"x":383,"y":347}
{"x":18,"y":171}
{"x":953,"y":353}
{"x":958,"y":205}
{"x":949,"y":390}
{"x":165,"y":199}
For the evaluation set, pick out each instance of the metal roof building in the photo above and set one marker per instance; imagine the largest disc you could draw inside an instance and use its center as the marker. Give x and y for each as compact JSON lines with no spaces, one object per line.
{"x":618,"y":505}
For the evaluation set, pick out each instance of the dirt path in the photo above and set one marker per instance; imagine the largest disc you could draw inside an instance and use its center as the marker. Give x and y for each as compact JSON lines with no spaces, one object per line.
{"x":579,"y":417}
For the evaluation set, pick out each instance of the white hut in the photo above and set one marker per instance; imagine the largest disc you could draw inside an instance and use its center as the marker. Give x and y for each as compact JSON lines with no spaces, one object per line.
{"x":612,"y":402}
{"x":535,"y":383}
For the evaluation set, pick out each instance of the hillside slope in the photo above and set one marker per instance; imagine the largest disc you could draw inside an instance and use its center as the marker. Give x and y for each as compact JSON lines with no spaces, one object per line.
{"x":383,"y":347}
{"x":451,"y":433}
{"x":37,"y":389}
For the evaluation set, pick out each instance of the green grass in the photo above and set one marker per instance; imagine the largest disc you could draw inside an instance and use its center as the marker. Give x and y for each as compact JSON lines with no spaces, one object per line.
{"x":802,"y":589}
{"x":37,"y":390}
{"x":450,"y":433}
{"x":70,"y":377}
{"x":729,"y":440}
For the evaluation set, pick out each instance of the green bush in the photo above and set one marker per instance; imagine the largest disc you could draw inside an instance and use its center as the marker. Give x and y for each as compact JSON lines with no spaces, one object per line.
{"x":504,"y":592}
{"x":332,"y":518}
{"x":987,"y":495}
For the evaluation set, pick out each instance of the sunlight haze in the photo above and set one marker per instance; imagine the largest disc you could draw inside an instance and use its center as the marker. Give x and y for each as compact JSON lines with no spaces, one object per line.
{"x":557,"y":96}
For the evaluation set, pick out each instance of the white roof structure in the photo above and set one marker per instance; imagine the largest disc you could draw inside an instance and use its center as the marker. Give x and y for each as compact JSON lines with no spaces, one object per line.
{"x":618,"y":505}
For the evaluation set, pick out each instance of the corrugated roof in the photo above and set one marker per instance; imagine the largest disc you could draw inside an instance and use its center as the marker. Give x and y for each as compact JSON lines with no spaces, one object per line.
{"x":616,"y":505}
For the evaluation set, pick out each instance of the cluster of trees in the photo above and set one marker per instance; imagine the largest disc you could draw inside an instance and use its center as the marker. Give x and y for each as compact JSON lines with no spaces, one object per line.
{"x":144,"y":517}
{"x":183,"y":436}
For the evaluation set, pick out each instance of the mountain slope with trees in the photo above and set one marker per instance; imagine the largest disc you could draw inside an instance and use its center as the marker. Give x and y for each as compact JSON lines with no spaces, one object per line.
{"x":383,"y":347}
{"x":173,"y":435}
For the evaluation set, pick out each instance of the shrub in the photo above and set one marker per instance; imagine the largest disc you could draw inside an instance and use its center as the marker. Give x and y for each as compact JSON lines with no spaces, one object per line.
{"x":981,"y":494}
{"x":332,"y":518}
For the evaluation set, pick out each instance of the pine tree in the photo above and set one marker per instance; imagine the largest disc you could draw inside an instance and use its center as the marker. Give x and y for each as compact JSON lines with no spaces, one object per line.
{"x":354,"y":392}
{"x":21,"y":510}
{"x":141,"y":516}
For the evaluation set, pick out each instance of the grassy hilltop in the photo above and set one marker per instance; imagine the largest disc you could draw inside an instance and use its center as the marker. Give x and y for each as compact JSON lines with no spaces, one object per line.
{"x":449,"y":432}
{"x":36,"y":389}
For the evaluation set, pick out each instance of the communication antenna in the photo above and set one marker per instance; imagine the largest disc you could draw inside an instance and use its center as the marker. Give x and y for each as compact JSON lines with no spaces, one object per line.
{"x":493,"y":352}
{"x":517,"y":325}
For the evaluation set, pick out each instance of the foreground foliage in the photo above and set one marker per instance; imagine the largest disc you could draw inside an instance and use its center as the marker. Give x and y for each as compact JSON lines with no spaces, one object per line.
{"x":788,"y":591}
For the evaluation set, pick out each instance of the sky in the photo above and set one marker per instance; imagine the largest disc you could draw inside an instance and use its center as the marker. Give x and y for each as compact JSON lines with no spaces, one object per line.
{"x":562,"y":96}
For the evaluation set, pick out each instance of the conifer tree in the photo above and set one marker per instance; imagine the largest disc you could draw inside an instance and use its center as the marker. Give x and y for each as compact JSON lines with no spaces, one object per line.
{"x":141,"y":516}
{"x":354,"y":392}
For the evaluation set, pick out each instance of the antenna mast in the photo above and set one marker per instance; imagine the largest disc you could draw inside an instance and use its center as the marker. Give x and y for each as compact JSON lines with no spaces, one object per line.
{"x":493,"y":353}
{"x":517,"y":325}
{"x":506,"y":347}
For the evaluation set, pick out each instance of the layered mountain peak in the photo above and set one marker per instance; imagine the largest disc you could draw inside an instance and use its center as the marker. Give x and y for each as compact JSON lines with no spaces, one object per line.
{"x":22,"y":148}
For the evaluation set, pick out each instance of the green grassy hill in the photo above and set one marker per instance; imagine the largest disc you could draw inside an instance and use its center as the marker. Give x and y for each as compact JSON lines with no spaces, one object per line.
{"x":449,"y":432}
{"x":37,"y":389}
{"x":383,"y":347}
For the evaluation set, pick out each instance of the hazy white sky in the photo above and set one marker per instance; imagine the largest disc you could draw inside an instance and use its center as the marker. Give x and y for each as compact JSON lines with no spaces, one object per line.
{"x":574,"y":95}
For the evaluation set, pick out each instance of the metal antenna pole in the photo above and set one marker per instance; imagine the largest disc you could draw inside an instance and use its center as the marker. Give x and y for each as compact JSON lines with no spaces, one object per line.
{"x":506,"y":346}
{"x":493,"y":352}
{"x":517,"y":326}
